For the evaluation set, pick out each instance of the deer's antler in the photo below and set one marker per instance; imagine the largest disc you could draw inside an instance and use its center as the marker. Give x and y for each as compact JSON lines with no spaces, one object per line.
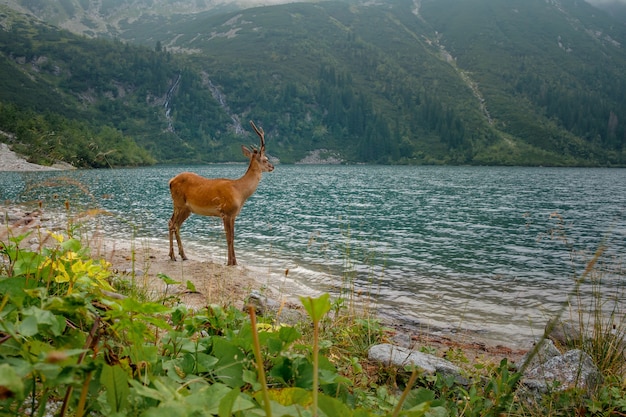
{"x":259,"y":132}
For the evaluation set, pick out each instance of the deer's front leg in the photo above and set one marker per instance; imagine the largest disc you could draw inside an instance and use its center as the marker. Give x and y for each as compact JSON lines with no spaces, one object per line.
{"x":229,"y":229}
{"x":178,"y":217}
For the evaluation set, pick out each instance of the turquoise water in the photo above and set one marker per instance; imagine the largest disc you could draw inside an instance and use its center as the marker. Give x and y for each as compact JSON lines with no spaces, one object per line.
{"x":489,"y":249}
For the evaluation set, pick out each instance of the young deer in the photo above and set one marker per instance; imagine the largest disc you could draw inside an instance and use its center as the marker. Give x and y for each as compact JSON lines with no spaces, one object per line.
{"x":219,"y":197}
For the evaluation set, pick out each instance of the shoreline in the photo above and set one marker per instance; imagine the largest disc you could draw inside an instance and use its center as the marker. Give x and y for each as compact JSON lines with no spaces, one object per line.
{"x":142,"y":260}
{"x":13,"y":162}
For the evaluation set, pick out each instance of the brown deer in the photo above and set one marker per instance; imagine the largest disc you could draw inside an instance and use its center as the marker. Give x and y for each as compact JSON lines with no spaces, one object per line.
{"x":219,"y":197}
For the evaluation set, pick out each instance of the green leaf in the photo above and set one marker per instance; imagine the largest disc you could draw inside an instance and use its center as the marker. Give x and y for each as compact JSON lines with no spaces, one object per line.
{"x":208,"y":399}
{"x":115,"y":381}
{"x":144,"y":353}
{"x":71,"y":245}
{"x":291,"y":396}
{"x":171,"y":409}
{"x":333,"y":407}
{"x":190,"y":286}
{"x":167,"y":280}
{"x":28,"y":326}
{"x":216,"y":398}
{"x":37,"y":319}
{"x":229,"y":368}
{"x":27,"y":263}
{"x":149,"y":392}
{"x":437,"y":412}
{"x":14,"y":289}
{"x":205,"y":362}
{"x":149,"y":308}
{"x":227,"y":402}
{"x":10,"y":382}
{"x":288,"y":334}
{"x":419,"y":396}
{"x":316,"y":307}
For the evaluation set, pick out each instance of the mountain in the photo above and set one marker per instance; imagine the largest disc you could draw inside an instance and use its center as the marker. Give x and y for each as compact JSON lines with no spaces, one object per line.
{"x":526,"y":82}
{"x":91,"y":102}
{"x":615,"y":8}
{"x":109,"y":17}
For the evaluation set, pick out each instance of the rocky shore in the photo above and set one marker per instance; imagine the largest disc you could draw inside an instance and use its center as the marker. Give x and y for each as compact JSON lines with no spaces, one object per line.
{"x":10,"y":161}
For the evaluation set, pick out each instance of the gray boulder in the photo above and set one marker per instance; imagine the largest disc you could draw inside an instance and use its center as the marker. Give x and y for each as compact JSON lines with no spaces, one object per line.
{"x":573,"y":369}
{"x":391,"y":355}
{"x":564,"y":332}
{"x":266,"y":306}
{"x":541,"y":353}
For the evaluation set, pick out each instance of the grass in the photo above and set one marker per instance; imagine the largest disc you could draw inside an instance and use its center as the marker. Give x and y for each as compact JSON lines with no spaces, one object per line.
{"x":63,"y":339}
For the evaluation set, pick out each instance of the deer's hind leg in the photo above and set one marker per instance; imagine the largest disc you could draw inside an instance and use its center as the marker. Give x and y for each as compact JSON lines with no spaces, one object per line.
{"x":178,"y":218}
{"x":229,"y":229}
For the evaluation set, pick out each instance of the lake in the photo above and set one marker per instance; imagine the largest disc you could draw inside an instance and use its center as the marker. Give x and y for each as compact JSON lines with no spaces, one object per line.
{"x":492,"y":250}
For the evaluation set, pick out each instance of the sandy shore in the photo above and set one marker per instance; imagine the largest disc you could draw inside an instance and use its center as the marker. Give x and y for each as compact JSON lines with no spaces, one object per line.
{"x":140,"y":261}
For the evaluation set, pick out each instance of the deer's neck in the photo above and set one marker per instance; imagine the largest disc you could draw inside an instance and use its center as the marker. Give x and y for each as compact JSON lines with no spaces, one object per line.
{"x":250,"y":180}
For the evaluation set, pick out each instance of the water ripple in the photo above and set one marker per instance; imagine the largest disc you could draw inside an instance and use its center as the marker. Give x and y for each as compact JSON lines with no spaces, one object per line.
{"x":491,"y":249}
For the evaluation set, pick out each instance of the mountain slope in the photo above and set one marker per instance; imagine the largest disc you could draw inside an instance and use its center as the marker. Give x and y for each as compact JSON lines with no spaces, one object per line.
{"x":89,"y":102}
{"x":530,"y":82}
{"x":471,"y":81}
{"x":108,"y":18}
{"x":565,"y":71}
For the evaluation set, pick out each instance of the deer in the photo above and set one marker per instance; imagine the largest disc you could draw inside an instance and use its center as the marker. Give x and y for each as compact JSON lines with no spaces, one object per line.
{"x":218,"y":197}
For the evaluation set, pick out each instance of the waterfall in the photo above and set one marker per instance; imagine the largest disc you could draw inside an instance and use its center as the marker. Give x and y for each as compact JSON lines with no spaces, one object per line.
{"x":221,"y":99}
{"x":166,"y":104}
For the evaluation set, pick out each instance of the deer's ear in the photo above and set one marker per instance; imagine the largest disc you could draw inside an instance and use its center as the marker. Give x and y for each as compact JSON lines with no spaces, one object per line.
{"x":247,"y":152}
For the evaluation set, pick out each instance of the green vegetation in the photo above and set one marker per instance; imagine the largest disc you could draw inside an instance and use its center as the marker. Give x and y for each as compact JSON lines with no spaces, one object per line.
{"x":482,"y":82}
{"x":50,"y":137}
{"x":67,"y":340}
{"x":96,"y":103}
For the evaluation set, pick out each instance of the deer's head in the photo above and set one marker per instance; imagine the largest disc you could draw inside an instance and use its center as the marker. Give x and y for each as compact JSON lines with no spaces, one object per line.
{"x":258,"y":155}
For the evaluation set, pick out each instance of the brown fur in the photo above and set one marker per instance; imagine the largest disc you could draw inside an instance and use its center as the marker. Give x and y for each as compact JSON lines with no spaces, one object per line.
{"x":219,"y":197}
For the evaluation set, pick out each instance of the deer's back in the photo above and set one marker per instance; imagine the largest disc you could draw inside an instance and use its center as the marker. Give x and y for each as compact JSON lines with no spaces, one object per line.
{"x":205,"y":196}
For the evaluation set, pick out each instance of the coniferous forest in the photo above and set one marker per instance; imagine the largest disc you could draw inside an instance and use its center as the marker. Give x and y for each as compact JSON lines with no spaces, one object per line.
{"x":431,"y":82}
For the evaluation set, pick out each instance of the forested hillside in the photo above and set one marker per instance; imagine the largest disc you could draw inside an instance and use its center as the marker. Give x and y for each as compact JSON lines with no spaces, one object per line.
{"x":524,"y":82}
{"x":97,"y":103}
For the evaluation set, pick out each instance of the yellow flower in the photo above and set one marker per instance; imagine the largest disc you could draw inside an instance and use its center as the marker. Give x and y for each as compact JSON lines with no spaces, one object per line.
{"x":58,"y":237}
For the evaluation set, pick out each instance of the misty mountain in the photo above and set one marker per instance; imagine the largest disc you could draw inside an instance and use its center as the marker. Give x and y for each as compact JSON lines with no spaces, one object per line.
{"x":433,"y":81}
{"x":615,"y":8}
